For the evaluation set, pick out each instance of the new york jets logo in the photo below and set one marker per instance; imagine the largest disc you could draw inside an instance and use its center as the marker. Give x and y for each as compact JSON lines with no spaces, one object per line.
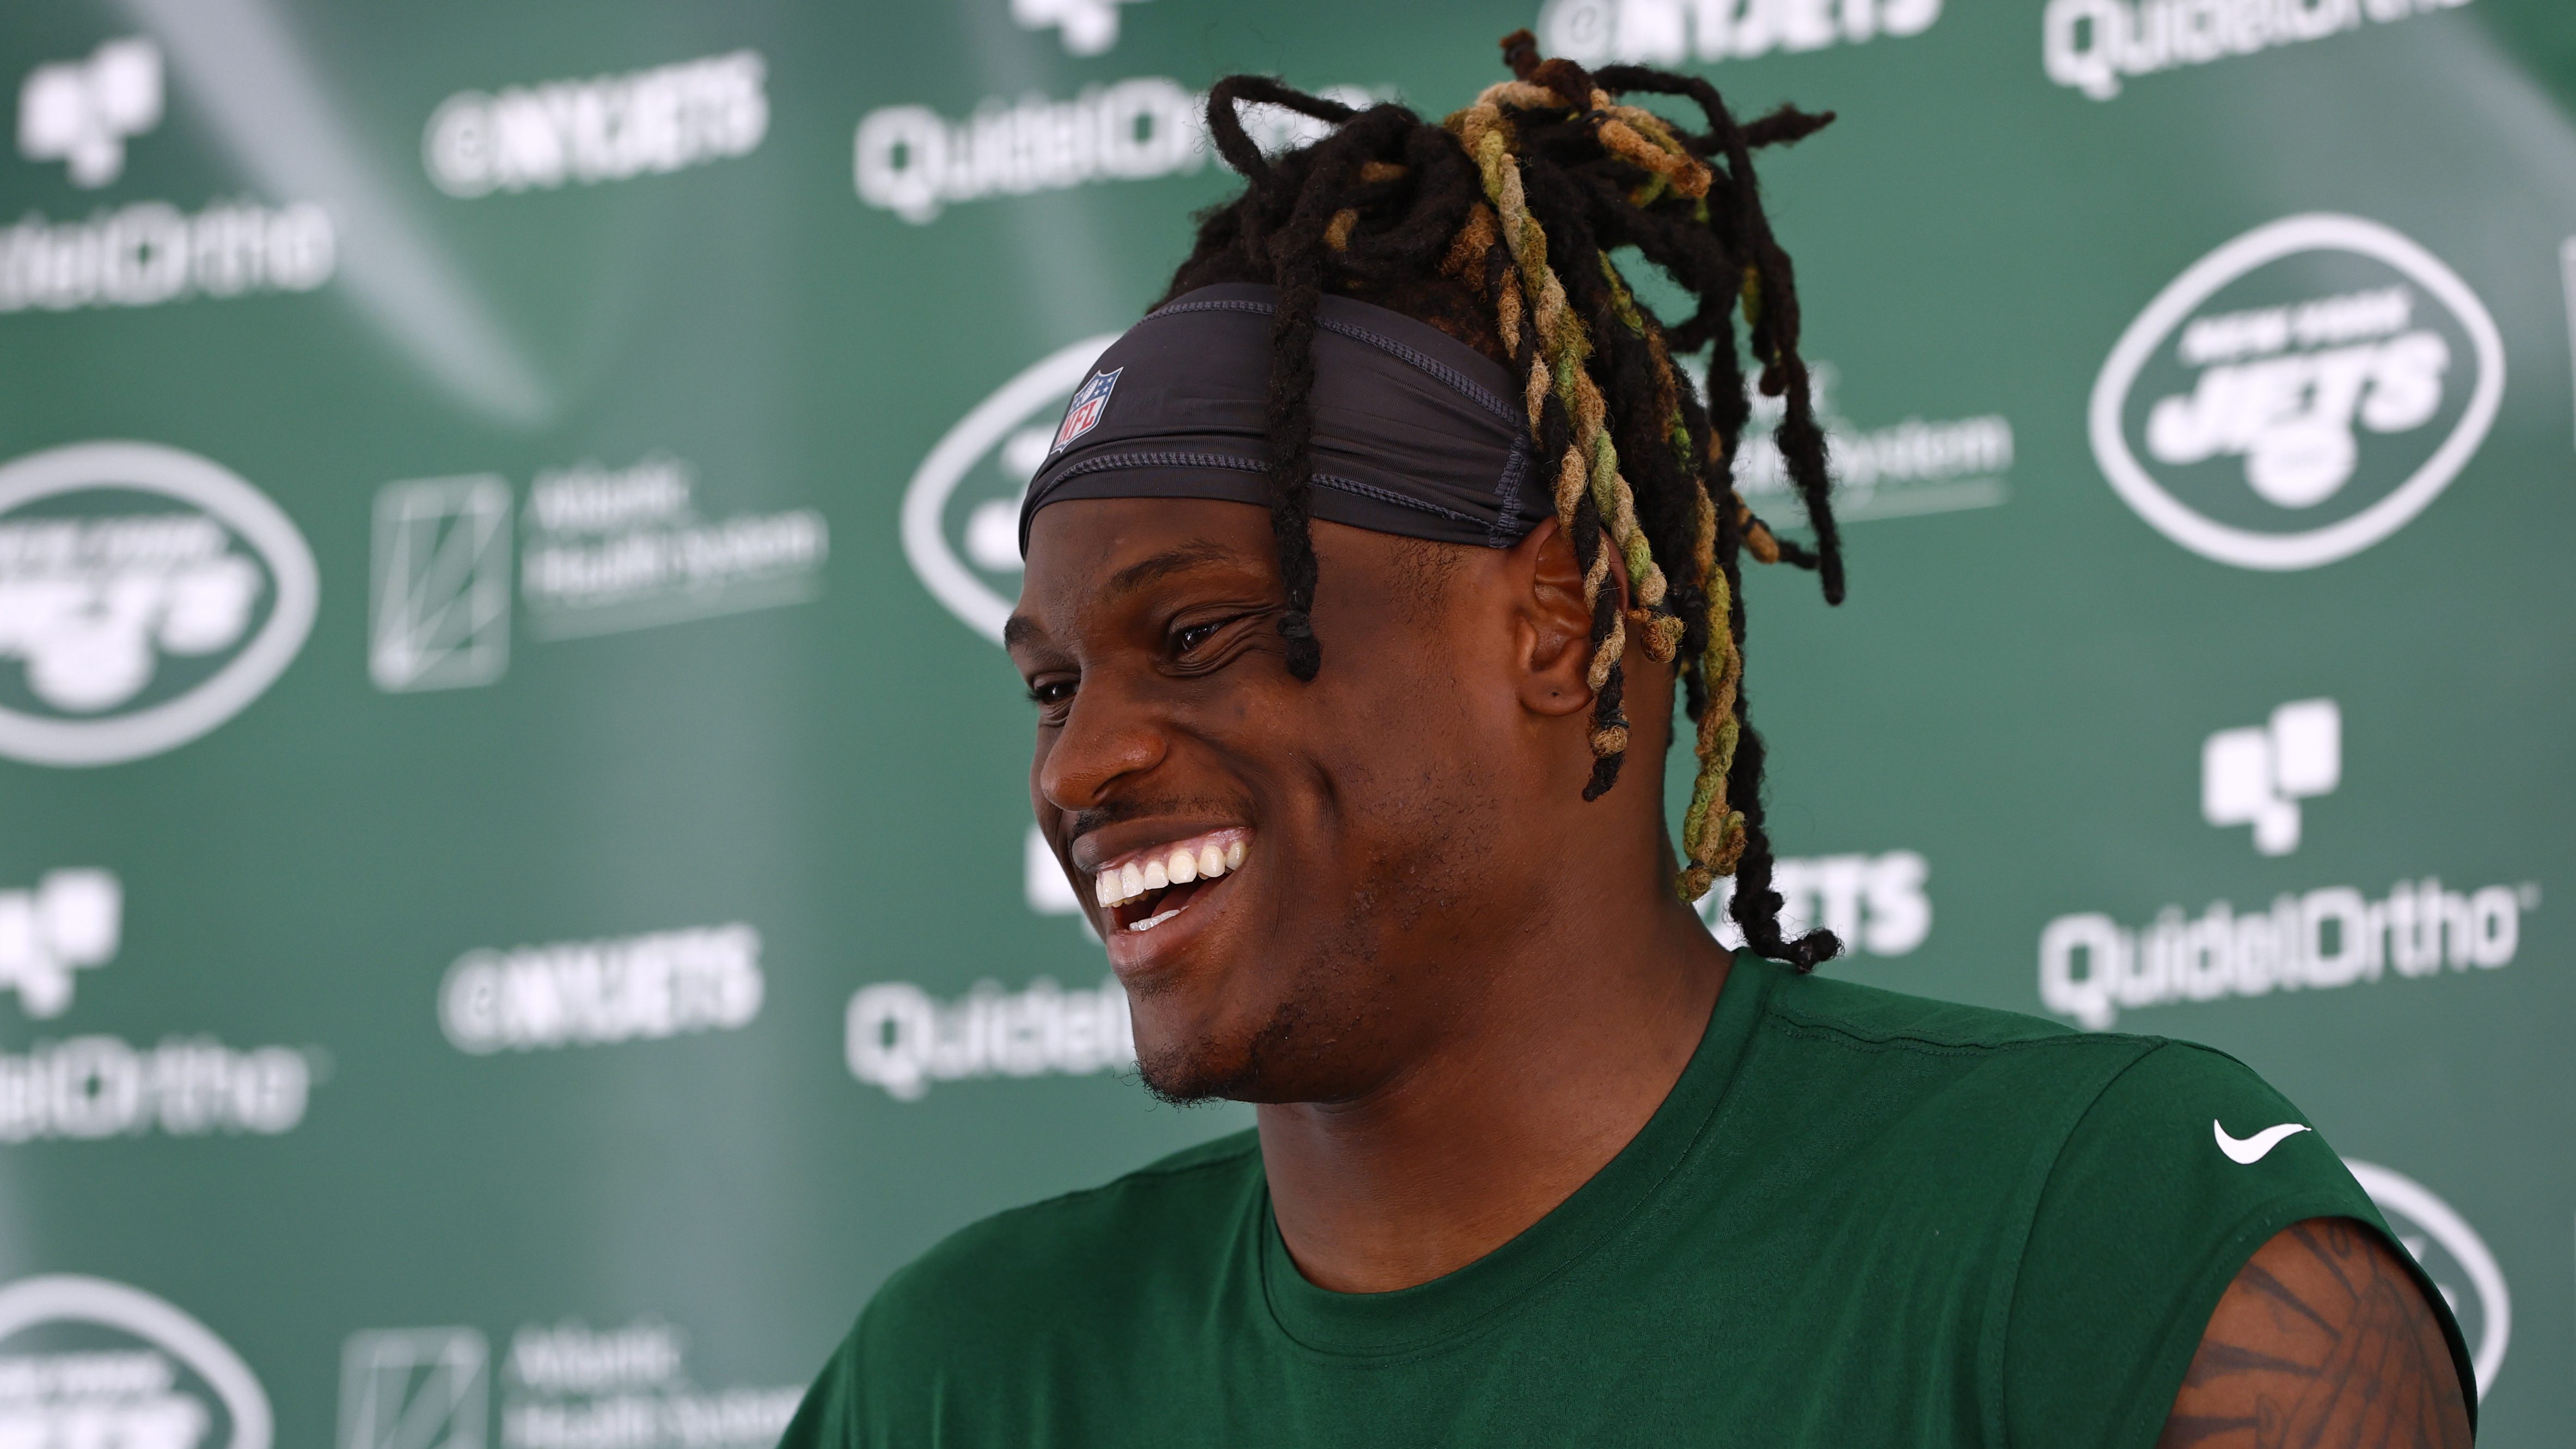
{"x":146,"y":596}
{"x":961,"y":512}
{"x":92,"y":1362}
{"x":2298,"y":394}
{"x":2453,"y":1256}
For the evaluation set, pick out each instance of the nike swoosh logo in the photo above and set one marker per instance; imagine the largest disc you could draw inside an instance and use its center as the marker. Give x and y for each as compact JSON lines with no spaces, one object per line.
{"x":2246,"y":1151}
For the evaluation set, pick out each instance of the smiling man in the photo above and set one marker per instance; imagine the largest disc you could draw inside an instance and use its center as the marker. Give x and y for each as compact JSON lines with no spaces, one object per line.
{"x":1362,"y":581}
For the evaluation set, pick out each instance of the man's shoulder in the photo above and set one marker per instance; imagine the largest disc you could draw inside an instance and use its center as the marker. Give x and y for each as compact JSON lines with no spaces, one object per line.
{"x":1875,"y":1017}
{"x":2001,"y":1070}
{"x":1098,"y":1246}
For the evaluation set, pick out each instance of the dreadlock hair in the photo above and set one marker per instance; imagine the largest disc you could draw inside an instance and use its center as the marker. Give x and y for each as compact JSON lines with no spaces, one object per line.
{"x":1497,"y":226}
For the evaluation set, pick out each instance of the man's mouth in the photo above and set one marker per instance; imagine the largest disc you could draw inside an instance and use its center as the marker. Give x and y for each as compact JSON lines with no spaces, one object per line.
{"x":1146,"y":888}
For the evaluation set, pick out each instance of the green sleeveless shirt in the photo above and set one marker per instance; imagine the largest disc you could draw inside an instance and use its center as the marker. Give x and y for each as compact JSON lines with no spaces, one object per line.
{"x":1859,"y":1219}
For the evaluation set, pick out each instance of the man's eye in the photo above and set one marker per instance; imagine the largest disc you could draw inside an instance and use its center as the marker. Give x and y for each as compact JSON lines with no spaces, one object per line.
{"x":1192,"y":636}
{"x":1051,"y":693}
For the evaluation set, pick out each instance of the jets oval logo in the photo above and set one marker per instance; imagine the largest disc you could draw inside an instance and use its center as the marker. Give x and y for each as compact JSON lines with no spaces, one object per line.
{"x":2453,"y":1255}
{"x":95,"y":1362}
{"x":961,"y":512}
{"x":146,"y":596}
{"x":2298,"y":394}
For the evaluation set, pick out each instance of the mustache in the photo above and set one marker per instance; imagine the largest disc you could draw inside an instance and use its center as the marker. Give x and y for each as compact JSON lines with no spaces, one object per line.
{"x":1079,"y":823}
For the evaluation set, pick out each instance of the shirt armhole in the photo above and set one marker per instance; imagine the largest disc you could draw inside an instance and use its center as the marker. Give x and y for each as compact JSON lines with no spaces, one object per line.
{"x":2172,"y":1355}
{"x":2137,"y":1229}
{"x":831,"y":1414}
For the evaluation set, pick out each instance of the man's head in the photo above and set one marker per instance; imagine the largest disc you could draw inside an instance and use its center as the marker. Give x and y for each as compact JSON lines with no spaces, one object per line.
{"x":1398,"y":817}
{"x":1299,"y":867}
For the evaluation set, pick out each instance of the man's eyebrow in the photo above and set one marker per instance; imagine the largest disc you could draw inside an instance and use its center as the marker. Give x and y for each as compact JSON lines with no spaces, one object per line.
{"x":1178,"y":559}
{"x":1181,"y":558}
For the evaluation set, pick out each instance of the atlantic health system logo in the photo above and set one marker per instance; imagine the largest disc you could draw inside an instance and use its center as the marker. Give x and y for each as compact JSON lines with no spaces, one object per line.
{"x":602,"y":550}
{"x":414,"y":1388}
{"x":563,"y":1385}
{"x":440,"y":617}
{"x":146,"y":596}
{"x":2299,"y":394}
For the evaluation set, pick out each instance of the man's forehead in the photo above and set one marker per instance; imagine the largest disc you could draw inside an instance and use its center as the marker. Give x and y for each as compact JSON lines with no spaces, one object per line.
{"x":1100,"y":553}
{"x":1095,"y":548}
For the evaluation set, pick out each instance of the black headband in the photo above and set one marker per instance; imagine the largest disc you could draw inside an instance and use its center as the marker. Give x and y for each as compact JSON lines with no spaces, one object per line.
{"x":1416,"y":433}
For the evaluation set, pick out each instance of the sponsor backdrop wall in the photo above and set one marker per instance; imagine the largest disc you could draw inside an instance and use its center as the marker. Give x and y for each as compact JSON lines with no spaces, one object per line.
{"x":517,"y":908}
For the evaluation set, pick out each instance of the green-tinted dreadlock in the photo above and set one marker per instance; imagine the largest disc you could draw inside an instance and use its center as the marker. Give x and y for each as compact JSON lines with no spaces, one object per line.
{"x":1498,"y":226}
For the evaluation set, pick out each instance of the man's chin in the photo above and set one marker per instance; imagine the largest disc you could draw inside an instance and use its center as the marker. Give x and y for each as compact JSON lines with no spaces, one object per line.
{"x":1189,"y":1074}
{"x":1185,"y":1069}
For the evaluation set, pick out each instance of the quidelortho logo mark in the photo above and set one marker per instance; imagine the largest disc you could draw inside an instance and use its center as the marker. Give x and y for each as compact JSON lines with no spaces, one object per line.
{"x":86,"y":1362}
{"x":563,"y":1386}
{"x":70,"y":920}
{"x":594,"y":993}
{"x":901,"y":1039}
{"x":1878,"y":904}
{"x":88,"y":1088}
{"x":146,"y":596}
{"x":143,"y":253}
{"x":605,"y":128}
{"x":2257,"y":776}
{"x":2091,"y":45}
{"x":1087,"y":27}
{"x":2298,"y":394}
{"x":81,"y":112}
{"x":2091,"y":967}
{"x":2453,"y":1256}
{"x":1668,"y":32}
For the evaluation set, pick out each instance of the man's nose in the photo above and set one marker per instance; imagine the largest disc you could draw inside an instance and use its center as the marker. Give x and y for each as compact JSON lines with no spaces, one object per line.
{"x":1108,"y":736}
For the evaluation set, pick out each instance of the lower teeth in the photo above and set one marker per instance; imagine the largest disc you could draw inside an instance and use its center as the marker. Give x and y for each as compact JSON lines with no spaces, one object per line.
{"x":1150,"y":922}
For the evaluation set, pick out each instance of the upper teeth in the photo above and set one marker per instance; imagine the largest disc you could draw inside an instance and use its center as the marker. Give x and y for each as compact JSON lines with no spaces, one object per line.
{"x":1176,"y":864}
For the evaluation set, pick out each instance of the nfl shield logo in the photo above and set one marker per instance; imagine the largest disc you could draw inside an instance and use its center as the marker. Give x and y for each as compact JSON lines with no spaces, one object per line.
{"x":1088,"y":405}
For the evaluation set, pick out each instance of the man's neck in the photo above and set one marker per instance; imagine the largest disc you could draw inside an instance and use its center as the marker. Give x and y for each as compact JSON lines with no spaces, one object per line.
{"x":1460,"y":1152}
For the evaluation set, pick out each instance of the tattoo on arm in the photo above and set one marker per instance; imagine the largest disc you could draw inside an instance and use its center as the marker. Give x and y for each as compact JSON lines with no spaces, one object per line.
{"x":2322,"y":1342}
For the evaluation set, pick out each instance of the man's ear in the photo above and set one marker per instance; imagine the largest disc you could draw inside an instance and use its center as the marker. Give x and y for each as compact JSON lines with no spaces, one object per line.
{"x":1555,"y":628}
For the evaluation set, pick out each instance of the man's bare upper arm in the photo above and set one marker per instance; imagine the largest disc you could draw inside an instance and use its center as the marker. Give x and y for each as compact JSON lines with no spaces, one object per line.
{"x":2322,"y":1340}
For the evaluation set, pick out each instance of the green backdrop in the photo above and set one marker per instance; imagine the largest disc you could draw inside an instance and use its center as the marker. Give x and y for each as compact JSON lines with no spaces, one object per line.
{"x":516,"y":904}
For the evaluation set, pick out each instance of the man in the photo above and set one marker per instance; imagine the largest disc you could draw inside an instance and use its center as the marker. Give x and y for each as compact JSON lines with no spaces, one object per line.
{"x":1357,"y":571}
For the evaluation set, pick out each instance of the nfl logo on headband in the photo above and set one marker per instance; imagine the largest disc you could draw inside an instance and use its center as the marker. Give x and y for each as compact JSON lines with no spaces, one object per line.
{"x":1088,"y":405}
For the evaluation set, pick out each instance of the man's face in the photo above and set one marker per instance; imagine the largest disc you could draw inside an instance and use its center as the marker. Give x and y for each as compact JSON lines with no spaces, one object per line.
{"x":1353,"y":821}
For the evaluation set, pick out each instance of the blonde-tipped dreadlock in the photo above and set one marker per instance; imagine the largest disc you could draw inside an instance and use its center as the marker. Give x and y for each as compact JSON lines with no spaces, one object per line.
{"x":1498,"y":226}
